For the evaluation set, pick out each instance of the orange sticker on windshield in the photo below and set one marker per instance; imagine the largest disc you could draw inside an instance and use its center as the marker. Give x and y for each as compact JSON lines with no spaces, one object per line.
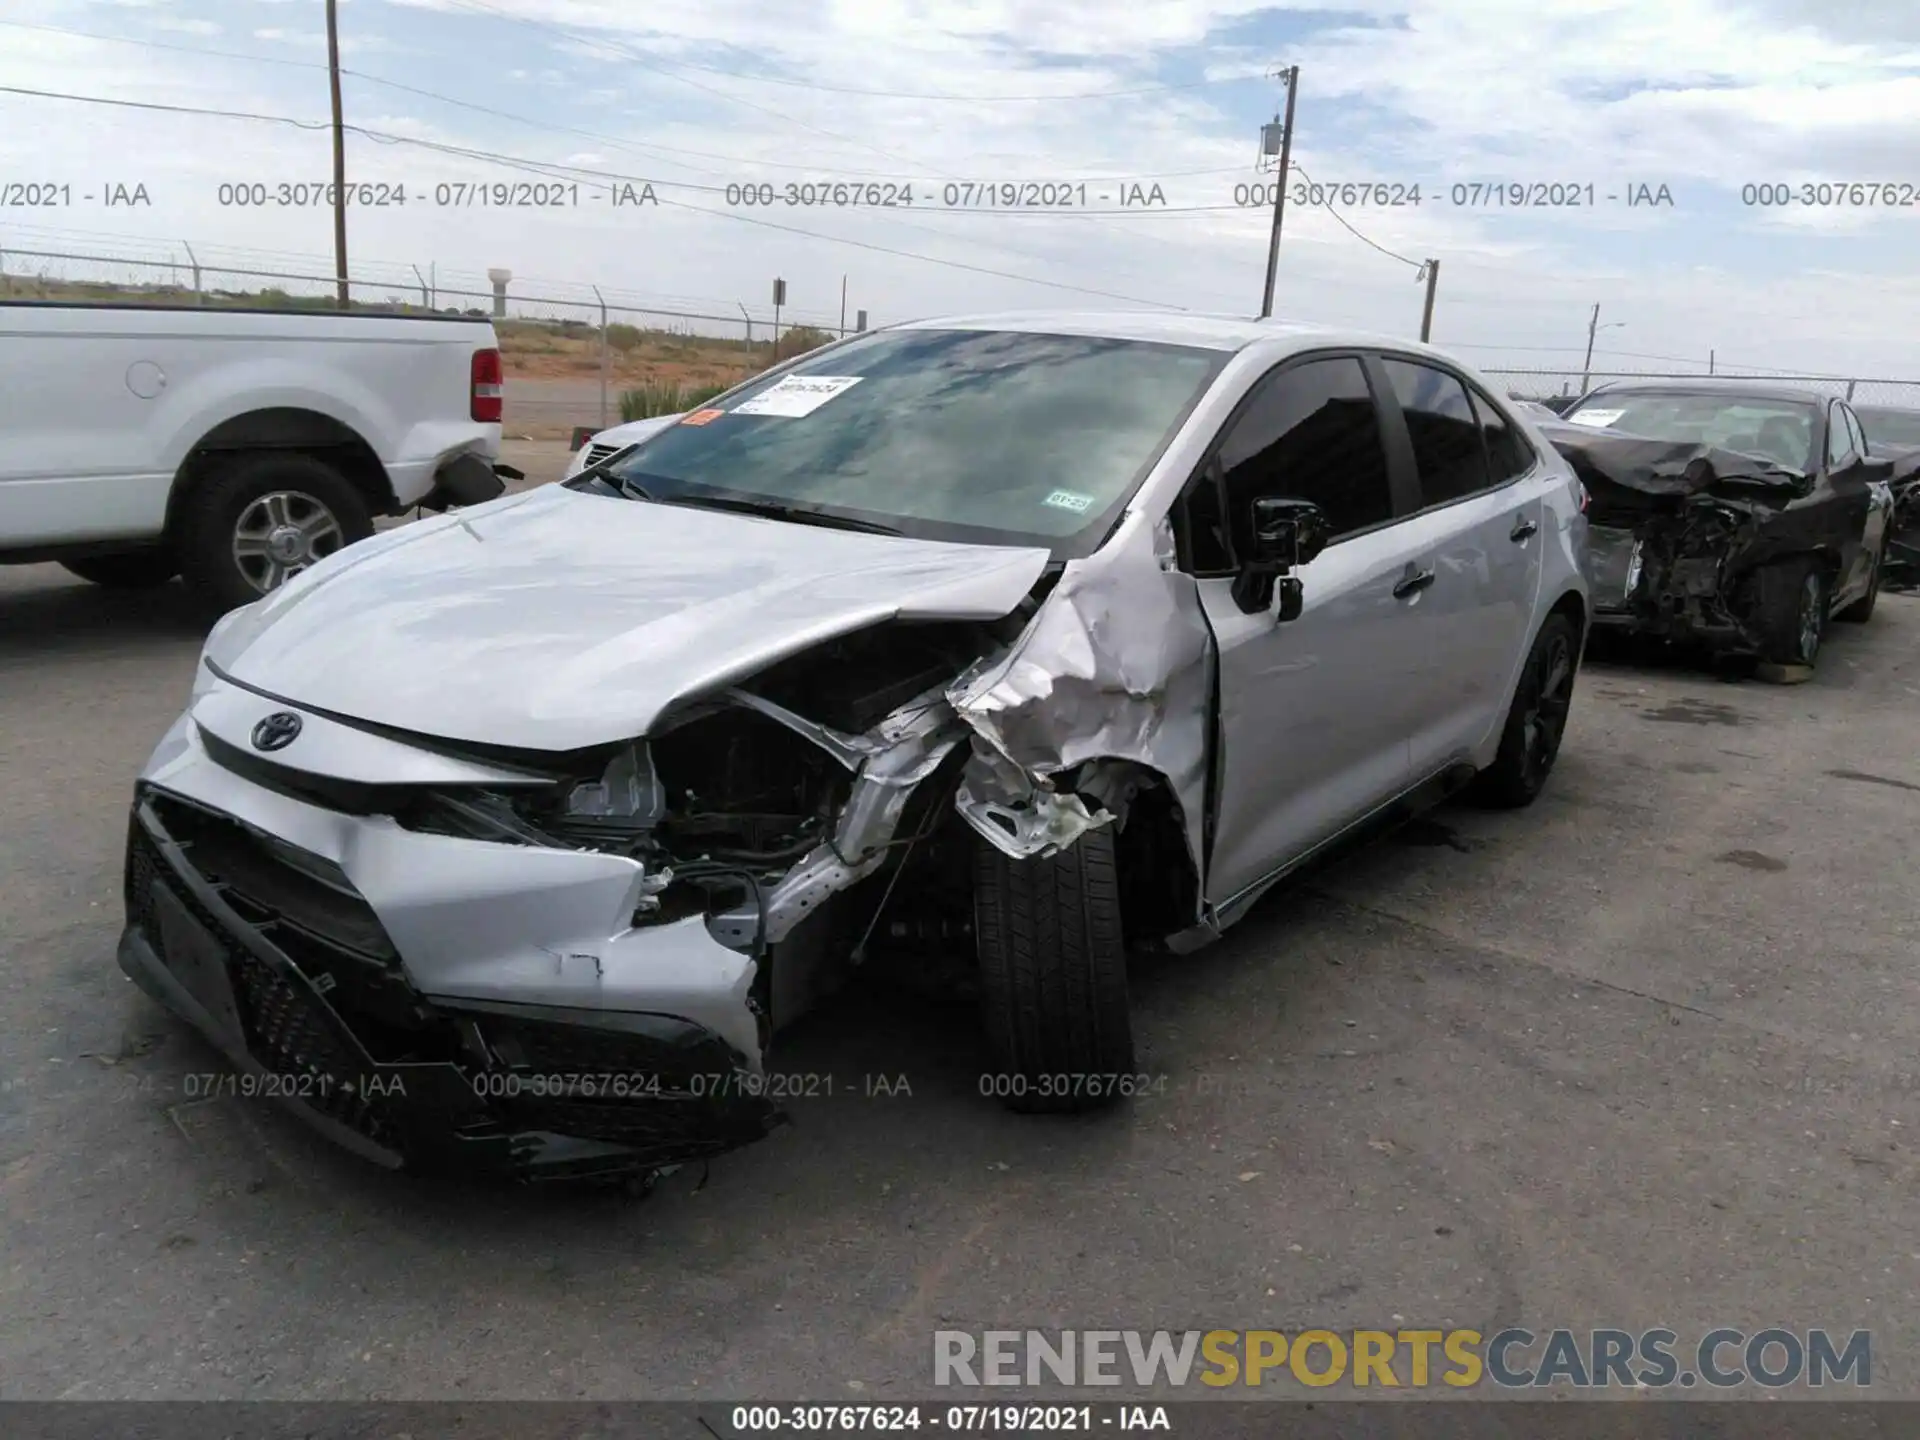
{"x":703,"y":417}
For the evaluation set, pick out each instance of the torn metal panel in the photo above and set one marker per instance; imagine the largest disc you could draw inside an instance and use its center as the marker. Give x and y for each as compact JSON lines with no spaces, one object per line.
{"x":1678,"y":530}
{"x":899,"y":754}
{"x":1117,"y":664}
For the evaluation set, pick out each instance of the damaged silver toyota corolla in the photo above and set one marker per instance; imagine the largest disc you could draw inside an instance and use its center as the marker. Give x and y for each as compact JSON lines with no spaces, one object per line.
{"x":510,"y":838}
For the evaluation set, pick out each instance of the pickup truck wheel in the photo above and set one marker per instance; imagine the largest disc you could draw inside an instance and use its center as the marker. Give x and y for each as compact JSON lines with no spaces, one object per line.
{"x":1536,"y":721}
{"x":1790,"y":611}
{"x":1053,"y":976}
{"x":136,"y":570}
{"x":256,"y":524}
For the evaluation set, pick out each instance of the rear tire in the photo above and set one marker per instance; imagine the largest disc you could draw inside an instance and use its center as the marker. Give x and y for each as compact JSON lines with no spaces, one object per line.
{"x":1536,"y":721}
{"x":1790,"y":611}
{"x":135,"y":570}
{"x":1053,"y":973}
{"x":1861,"y":610}
{"x":252,"y":526}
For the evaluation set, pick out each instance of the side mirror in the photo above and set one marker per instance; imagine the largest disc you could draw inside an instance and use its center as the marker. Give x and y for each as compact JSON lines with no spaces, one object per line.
{"x":1874,"y":468}
{"x":1283,"y":534}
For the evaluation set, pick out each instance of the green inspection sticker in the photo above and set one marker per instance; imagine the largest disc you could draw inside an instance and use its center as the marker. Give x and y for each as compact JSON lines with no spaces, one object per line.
{"x":1069,"y":500}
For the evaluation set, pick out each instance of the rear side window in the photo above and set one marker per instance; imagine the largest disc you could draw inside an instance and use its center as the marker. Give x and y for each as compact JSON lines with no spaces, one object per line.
{"x":1310,"y":433}
{"x":1508,"y":453}
{"x":1445,"y":432}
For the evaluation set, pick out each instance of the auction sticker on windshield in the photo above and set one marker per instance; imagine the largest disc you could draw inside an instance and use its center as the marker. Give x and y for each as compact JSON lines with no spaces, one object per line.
{"x":1599,"y":418}
{"x":703,"y":417}
{"x":797,"y":395}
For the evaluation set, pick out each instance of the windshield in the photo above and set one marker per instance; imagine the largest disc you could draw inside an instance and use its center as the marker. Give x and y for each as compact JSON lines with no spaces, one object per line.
{"x":1889,"y":428}
{"x":990,"y":436}
{"x":1776,"y":430}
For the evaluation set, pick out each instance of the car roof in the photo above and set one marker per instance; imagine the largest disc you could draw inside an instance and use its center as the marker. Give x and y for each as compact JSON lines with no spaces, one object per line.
{"x":1736,"y":389}
{"x":1886,"y":409}
{"x":1211,"y":332}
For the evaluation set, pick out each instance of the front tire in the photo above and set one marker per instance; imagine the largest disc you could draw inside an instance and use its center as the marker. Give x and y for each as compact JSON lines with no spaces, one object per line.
{"x":135,"y":570}
{"x":1536,"y":721}
{"x":1053,"y":973}
{"x":1790,"y":611}
{"x":263,"y":519}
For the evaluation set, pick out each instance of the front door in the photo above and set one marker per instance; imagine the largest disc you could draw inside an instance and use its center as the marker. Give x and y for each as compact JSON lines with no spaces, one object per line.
{"x":1313,"y":721}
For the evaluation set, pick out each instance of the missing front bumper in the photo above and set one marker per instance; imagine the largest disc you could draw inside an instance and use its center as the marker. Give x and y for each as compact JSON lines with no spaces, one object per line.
{"x":340,"y":1037}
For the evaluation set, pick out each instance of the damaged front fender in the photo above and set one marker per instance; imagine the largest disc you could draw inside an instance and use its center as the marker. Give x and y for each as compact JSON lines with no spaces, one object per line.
{"x":1115,"y":668}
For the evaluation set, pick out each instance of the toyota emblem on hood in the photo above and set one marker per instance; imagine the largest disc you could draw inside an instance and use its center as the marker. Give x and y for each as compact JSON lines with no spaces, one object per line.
{"x":277,"y":731}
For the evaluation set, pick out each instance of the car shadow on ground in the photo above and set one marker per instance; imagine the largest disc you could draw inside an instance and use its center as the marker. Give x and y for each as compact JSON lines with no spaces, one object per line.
{"x":62,"y":614}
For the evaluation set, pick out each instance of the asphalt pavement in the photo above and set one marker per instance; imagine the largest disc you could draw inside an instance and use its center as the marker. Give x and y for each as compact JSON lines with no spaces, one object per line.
{"x":1644,"y":1054}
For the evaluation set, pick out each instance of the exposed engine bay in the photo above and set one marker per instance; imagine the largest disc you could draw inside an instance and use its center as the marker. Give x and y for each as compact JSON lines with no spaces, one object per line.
{"x":1678,"y":530}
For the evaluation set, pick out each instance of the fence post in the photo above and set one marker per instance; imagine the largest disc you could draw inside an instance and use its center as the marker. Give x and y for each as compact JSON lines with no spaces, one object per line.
{"x":605,"y":352}
{"x":198,"y":297}
{"x":425,"y":299}
{"x":1850,"y":385}
{"x":749,"y":319}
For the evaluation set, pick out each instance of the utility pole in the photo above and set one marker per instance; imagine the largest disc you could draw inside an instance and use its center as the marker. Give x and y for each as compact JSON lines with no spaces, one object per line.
{"x":339,"y":159}
{"x":779,"y":299}
{"x":1292,"y":76}
{"x":1586,"y":368}
{"x":1710,"y":355}
{"x":1432,"y":271}
{"x":843,"y":305}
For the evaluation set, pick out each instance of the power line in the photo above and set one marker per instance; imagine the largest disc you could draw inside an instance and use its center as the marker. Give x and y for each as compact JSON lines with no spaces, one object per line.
{"x":1355,"y":233}
{"x":636,"y":146}
{"x":627,"y":51}
{"x":548,"y":169}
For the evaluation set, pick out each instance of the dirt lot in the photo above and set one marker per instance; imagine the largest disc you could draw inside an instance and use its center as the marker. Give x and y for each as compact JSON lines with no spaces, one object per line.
{"x":1643,"y":1054}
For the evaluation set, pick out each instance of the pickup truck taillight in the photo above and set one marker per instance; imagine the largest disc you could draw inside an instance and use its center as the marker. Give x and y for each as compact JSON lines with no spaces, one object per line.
{"x":488,"y":386}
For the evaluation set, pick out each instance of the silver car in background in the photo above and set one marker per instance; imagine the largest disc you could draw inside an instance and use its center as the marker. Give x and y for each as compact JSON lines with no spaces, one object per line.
{"x":511,"y":838}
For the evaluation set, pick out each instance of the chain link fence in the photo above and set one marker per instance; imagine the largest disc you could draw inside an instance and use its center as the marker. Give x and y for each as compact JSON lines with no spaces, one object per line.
{"x":576,"y":355}
{"x":1565,"y":384}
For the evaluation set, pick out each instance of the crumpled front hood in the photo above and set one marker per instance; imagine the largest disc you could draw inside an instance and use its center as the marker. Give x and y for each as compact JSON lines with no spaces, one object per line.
{"x":556,"y":619}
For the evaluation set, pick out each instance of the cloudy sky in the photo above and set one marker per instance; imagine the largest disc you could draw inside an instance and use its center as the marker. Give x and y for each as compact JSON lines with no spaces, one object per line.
{"x":1707,"y":98}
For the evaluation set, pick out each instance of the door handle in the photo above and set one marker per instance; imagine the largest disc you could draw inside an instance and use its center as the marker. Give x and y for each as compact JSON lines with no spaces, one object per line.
{"x":1412,"y":581}
{"x":1523,"y":529}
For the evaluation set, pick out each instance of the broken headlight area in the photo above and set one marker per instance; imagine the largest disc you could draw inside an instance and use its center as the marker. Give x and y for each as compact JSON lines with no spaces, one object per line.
{"x":755,"y":804}
{"x":1677,"y":575}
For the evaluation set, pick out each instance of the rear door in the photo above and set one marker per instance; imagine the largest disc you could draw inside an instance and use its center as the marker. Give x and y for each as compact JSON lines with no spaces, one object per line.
{"x":1312,"y":727}
{"x":1481,"y":525}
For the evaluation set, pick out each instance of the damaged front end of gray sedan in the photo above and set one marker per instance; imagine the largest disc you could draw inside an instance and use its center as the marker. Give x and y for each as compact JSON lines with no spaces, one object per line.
{"x":564,"y":964}
{"x":509,"y":841}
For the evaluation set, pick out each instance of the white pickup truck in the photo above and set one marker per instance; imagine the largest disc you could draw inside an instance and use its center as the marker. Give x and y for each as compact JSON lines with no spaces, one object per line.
{"x":232,"y":447}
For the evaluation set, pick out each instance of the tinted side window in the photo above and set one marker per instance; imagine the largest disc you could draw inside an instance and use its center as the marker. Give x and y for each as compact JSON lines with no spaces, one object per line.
{"x":1445,"y":434}
{"x":1310,"y":433}
{"x":1508,"y":453}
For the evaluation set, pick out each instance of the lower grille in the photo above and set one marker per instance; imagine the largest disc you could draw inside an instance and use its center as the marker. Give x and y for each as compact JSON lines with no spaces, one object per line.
{"x":289,"y":1033}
